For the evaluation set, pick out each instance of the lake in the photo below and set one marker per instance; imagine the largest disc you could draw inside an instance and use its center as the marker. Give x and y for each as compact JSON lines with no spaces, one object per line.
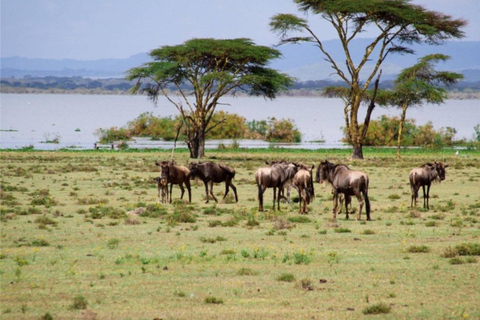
{"x":32,"y":119}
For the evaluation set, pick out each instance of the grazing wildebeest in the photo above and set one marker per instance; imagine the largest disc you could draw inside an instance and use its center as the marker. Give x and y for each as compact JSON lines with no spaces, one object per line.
{"x":303,"y":182}
{"x":275,"y":176}
{"x":176,"y":175}
{"x":424,"y":176}
{"x":346,"y":181}
{"x":162,"y":188}
{"x":210,"y":172}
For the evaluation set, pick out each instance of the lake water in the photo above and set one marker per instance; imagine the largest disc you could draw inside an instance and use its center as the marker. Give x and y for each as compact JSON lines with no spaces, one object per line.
{"x":32,"y":119}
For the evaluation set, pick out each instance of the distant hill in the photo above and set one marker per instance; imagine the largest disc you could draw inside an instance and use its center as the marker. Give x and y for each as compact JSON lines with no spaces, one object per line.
{"x":302,"y":61}
{"x":104,"y":68}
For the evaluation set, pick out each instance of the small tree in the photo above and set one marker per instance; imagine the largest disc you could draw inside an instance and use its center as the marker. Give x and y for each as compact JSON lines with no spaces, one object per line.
{"x":201,"y":72}
{"x":395,"y":24}
{"x":417,"y":85}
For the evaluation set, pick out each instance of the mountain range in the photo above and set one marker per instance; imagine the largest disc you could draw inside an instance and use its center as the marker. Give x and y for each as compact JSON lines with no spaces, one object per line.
{"x":303,"y":61}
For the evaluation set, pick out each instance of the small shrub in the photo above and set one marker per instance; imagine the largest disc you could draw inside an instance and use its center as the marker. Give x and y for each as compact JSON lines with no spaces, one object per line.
{"x":47,"y":316}
{"x":39,"y":243}
{"x":368,"y":232}
{"x":182,"y":216}
{"x":342,"y":230}
{"x":113,"y":243}
{"x":431,"y":224}
{"x":281,"y":224}
{"x":418,"y":249}
{"x":247,"y":272}
{"x":456,"y":260}
{"x":306,"y":284}
{"x":394,"y":197}
{"x":213,"y":300}
{"x":214,"y":223}
{"x":302,"y":258}
{"x":379,"y":308}
{"x":180,"y":294}
{"x":299,"y":219}
{"x":251,"y":222}
{"x":79,"y":302}
{"x":44,"y":220}
{"x":286,"y":277}
{"x":468,"y":249}
{"x":449,"y":252}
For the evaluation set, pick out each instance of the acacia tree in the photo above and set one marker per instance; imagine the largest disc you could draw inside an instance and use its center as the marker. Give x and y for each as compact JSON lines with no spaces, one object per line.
{"x":417,"y":85}
{"x":395,"y":25}
{"x":201,"y":72}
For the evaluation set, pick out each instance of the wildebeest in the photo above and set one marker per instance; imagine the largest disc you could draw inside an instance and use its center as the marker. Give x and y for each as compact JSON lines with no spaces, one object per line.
{"x":275,"y":176}
{"x":346,"y":181}
{"x":176,"y":175}
{"x":303,"y":182}
{"x":162,"y":188}
{"x":424,"y":176}
{"x":210,"y":172}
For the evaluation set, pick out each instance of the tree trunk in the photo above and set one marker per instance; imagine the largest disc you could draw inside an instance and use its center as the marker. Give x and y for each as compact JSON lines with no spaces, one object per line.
{"x":357,"y":151}
{"x":196,"y":145}
{"x":400,"y":131}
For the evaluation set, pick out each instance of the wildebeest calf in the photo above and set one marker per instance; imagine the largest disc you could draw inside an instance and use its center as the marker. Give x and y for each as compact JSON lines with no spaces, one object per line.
{"x":424,"y":176}
{"x":162,"y":188}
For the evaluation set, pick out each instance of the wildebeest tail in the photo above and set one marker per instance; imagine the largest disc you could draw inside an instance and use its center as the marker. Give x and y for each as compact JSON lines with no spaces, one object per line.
{"x":228,"y":171}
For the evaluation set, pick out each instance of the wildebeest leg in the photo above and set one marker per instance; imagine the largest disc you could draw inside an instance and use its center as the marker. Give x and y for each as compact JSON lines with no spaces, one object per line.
{"x":424,"y":197}
{"x":234,"y":190}
{"x":261,"y":190}
{"x":274,"y":198}
{"x":182,"y":189}
{"x":278,"y":198}
{"x":414,"y":195}
{"x":189,"y":189}
{"x":428,"y":197}
{"x":299,"y":201}
{"x":226,"y":190}
{"x":335,"y":204}
{"x":360,"y":203}
{"x":158,"y":195}
{"x":171,"y":188}
{"x":211,"y":191}
{"x":165,"y":194}
{"x":206,"y":191}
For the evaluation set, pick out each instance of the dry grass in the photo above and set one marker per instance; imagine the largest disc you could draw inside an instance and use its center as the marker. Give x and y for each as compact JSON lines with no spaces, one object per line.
{"x":223,"y":262}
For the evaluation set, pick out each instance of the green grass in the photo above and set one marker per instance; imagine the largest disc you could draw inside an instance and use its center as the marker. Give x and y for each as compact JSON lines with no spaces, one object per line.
{"x":70,"y":248}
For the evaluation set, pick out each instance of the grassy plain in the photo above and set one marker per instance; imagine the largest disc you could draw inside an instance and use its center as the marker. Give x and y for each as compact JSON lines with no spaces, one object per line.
{"x":70,"y":250}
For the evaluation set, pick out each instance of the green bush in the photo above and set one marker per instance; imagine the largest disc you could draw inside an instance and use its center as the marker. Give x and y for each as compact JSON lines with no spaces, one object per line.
{"x":384,"y":132}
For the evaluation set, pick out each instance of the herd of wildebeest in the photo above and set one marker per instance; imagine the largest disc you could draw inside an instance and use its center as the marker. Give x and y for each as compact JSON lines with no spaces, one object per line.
{"x":283,"y":175}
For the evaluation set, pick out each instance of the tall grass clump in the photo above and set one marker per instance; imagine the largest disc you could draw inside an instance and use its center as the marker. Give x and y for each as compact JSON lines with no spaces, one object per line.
{"x":379,"y":308}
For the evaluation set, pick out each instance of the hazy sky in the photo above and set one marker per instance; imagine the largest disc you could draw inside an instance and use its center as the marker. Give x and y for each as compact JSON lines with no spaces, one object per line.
{"x":97,"y":29}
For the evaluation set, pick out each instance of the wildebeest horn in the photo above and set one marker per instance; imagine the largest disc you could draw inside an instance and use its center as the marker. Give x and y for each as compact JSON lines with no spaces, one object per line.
{"x":157,"y":163}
